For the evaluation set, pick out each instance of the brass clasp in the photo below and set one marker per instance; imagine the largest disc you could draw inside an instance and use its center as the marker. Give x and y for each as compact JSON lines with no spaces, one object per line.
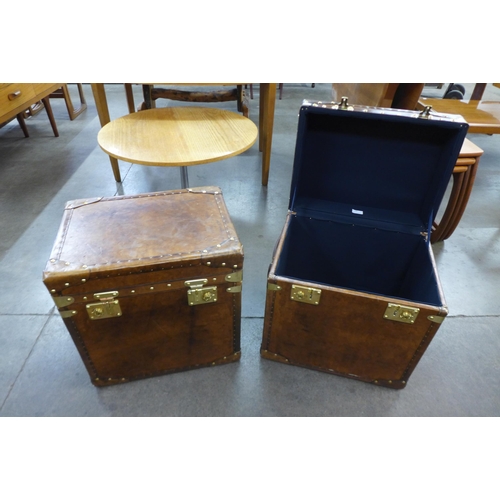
{"x":107,"y":307}
{"x":198,"y":294}
{"x":404,"y":314}
{"x":305,"y":294}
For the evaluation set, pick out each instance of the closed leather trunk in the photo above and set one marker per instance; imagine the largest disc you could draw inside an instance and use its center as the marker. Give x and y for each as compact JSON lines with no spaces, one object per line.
{"x":148,"y":284}
{"x":353,"y":288}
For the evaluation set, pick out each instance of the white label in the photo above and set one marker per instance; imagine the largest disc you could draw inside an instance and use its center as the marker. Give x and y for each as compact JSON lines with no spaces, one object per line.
{"x":359,"y":212}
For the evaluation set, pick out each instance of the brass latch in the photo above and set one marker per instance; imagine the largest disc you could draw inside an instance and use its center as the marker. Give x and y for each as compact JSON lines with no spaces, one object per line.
{"x":343,"y":104}
{"x":107,"y":307}
{"x":404,"y":314}
{"x":426,"y":112}
{"x":305,"y":294}
{"x":198,"y":294}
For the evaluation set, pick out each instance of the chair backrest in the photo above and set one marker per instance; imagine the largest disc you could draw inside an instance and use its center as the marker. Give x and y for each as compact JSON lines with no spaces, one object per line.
{"x":385,"y":95}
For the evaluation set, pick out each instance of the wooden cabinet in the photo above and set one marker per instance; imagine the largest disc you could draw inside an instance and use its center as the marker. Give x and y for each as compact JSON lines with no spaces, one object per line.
{"x":16,"y":97}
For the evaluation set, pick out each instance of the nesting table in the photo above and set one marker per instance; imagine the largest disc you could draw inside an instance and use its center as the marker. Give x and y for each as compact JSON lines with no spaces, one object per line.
{"x":463,"y":177}
{"x":177,"y":137}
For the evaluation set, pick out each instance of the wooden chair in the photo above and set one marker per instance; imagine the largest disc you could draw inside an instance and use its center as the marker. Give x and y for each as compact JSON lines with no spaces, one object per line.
{"x":152,"y":93}
{"x":63,"y":93}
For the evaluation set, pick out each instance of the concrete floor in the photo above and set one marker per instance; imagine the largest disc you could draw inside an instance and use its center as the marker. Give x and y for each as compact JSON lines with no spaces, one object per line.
{"x":41,"y":373}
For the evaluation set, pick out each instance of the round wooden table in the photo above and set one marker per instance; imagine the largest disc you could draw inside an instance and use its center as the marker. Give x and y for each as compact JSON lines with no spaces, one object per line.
{"x":177,"y":137}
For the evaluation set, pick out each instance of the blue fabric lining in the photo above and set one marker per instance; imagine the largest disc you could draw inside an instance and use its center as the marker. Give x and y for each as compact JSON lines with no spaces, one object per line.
{"x":360,"y":258}
{"x":398,"y":166}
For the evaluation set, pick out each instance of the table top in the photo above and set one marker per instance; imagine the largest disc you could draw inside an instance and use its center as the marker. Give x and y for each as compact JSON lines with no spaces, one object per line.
{"x":469,"y":149}
{"x":177,"y":136}
{"x":483,"y":117}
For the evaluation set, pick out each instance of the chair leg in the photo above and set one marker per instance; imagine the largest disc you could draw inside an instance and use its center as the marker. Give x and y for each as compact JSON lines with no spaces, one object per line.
{"x":242,"y":101}
{"x":130,"y":97}
{"x":48,"y":108}
{"x":281,"y":90}
{"x":22,"y":124}
{"x":63,"y":92}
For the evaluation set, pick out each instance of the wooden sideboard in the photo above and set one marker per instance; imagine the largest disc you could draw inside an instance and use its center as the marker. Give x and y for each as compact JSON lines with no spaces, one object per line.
{"x":17,"y":97}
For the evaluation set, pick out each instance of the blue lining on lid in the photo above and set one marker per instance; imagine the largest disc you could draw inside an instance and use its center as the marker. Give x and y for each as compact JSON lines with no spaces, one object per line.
{"x":385,"y":169}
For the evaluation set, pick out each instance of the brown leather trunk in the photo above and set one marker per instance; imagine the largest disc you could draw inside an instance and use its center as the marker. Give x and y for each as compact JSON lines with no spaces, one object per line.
{"x":148,"y":284}
{"x":353,"y":288}
{"x":347,"y":332}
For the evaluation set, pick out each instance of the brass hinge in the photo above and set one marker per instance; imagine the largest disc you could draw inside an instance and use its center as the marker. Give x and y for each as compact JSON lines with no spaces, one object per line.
{"x":436,"y":319}
{"x":273,"y":287}
{"x":234,"y":289}
{"x":67,"y":314}
{"x":107,"y":307}
{"x":198,"y":294}
{"x":404,"y":314}
{"x":63,"y":301}
{"x":235,"y":277}
{"x":305,"y":294}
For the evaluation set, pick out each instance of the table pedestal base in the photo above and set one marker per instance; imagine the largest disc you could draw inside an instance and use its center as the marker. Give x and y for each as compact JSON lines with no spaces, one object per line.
{"x":184,"y":178}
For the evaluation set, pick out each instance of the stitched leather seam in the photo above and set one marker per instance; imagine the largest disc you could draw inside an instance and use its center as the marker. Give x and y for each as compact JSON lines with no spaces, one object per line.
{"x":417,"y":351}
{"x":65,"y":234}
{"x":270,"y":322}
{"x":234,"y":323}
{"x":84,"y":348}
